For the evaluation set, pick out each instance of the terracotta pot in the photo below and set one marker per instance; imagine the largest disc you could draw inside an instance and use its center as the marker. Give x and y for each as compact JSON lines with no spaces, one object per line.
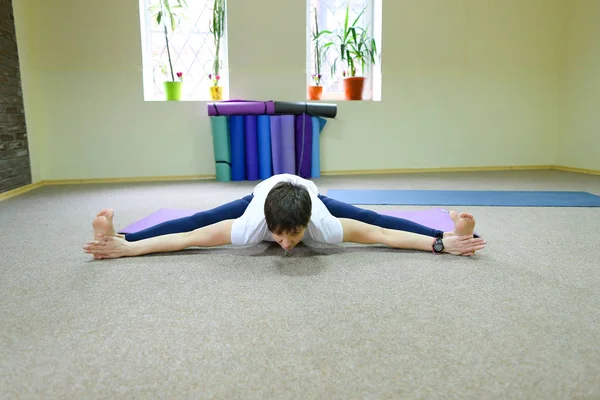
{"x":315,"y":92}
{"x":353,"y":87}
{"x":216,"y":93}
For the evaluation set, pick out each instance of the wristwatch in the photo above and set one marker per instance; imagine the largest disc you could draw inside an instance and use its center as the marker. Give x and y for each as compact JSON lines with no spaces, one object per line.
{"x":437,"y":246}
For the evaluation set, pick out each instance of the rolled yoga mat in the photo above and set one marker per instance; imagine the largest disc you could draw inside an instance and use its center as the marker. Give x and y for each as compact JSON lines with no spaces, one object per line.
{"x":434,"y":218}
{"x":276,"y":145}
{"x":303,"y":146}
{"x":241,"y":107}
{"x":221,"y":148}
{"x":238,"y":147}
{"x":251,"y":133}
{"x":507,"y":198}
{"x":318,"y":124}
{"x":265,"y":161}
{"x":314,"y":109}
{"x":288,"y":147}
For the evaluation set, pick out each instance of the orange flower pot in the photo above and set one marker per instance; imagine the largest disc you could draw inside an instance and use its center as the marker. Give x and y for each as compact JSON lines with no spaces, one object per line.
{"x":315,"y":92}
{"x":353,"y":87}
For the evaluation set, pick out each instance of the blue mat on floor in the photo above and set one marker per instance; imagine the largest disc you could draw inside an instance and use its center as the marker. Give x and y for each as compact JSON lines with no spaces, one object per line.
{"x":508,"y":198}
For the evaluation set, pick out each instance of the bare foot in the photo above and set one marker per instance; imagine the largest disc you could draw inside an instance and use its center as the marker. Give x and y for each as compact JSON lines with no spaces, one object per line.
{"x":105,"y":227}
{"x":464,"y":223}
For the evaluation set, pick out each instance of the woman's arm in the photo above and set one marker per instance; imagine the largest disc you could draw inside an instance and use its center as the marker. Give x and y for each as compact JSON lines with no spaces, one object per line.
{"x":217,"y":234}
{"x":360,"y":232}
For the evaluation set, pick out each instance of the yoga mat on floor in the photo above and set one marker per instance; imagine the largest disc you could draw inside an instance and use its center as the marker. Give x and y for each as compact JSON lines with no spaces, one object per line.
{"x":288,"y":151}
{"x":238,"y":151}
{"x":241,"y":107}
{"x":313,"y":109}
{"x":506,"y":198}
{"x":251,"y":138}
{"x":303,"y":145}
{"x":160,"y":216}
{"x":434,"y":218}
{"x":276,"y":144}
{"x":221,"y":149}
{"x":265,"y":162}
{"x":318,"y":124}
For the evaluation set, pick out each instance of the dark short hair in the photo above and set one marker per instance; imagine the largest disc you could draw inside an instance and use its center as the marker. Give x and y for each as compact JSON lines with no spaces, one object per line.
{"x":288,"y":208}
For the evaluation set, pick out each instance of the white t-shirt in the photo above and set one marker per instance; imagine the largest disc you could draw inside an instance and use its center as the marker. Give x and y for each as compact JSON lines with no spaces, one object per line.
{"x":251,"y":227}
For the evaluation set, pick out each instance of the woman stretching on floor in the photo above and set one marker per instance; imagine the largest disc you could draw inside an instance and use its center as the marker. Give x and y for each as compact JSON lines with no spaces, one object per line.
{"x":285,"y":209}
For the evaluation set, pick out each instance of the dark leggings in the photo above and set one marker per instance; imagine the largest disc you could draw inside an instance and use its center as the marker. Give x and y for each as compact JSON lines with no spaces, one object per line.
{"x":235,"y":209}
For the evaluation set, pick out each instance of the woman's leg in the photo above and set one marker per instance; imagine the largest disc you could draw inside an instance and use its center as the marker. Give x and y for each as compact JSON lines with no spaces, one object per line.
{"x":230,"y":210}
{"x":340,"y":209}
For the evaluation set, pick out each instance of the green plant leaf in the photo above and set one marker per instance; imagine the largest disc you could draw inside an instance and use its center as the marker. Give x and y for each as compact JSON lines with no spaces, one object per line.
{"x":346,"y":21}
{"x":167,"y":5}
{"x":321,"y":33}
{"x":357,"y":18}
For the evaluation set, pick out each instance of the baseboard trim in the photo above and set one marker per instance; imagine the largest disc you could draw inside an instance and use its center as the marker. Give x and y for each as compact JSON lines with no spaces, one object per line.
{"x":128,"y":180}
{"x":577,"y":170}
{"x":430,"y":170}
{"x":30,"y":187}
{"x":19,"y":191}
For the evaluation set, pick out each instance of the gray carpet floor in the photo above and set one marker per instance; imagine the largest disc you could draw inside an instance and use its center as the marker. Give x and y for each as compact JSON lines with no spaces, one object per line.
{"x":518,"y":321}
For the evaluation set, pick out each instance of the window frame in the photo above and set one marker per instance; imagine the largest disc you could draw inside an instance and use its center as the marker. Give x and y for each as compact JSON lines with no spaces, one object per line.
{"x":146,"y":33}
{"x":373,"y":81}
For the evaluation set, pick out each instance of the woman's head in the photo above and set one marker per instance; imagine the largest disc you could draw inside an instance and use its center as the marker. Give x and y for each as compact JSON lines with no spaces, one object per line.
{"x":287,"y":212}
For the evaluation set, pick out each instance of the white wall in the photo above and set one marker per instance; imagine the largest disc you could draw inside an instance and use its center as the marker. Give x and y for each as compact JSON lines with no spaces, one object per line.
{"x":465,"y":83}
{"x":580,"y":133}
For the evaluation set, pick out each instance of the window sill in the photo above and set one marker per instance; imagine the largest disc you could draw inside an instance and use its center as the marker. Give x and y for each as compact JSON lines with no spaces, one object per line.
{"x":340,"y":96}
{"x":182,"y":100}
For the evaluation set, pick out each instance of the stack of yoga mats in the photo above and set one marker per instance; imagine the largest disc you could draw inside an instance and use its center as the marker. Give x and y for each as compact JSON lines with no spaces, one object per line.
{"x":254,"y":140}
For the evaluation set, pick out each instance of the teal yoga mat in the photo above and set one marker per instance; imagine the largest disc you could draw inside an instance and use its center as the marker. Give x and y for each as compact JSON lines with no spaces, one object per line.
{"x":500,"y":198}
{"x":221,"y":149}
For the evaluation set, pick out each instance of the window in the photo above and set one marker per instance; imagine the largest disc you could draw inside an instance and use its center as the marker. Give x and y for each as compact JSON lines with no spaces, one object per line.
{"x":331,"y":15}
{"x":192,"y":51}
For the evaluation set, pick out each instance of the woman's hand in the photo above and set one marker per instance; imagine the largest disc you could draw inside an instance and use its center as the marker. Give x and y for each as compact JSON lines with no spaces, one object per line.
{"x":463,"y":245}
{"x":108,"y":247}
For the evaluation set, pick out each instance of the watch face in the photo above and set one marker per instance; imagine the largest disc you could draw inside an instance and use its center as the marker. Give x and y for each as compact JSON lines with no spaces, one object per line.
{"x":438,"y":246}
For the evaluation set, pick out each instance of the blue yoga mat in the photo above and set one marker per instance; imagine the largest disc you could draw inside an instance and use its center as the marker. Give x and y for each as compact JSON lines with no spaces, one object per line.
{"x":466,"y":198}
{"x":265,"y":163}
{"x":238,"y":152}
{"x":251,"y":130}
{"x":318,"y":124}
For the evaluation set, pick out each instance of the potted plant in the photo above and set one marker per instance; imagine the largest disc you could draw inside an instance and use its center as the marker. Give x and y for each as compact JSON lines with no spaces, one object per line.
{"x":356,"y":49}
{"x":217,"y":29}
{"x":165,"y":14}
{"x":315,"y":91}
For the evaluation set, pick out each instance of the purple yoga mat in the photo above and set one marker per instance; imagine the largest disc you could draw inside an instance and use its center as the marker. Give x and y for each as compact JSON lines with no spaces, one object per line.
{"x":241,"y":107}
{"x":276,"y":146}
{"x":288,"y":147}
{"x":436,"y":218}
{"x":304,"y":138}
{"x":251,"y":124}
